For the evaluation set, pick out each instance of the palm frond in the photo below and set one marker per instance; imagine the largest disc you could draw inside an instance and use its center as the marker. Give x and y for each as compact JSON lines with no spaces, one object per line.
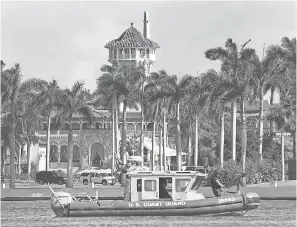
{"x":216,"y":54}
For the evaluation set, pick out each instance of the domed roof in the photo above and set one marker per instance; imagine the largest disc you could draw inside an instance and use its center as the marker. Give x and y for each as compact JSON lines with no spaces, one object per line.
{"x":131,"y":38}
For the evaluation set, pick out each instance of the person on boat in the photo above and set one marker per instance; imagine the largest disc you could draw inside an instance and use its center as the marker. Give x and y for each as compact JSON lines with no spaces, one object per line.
{"x":216,"y":185}
{"x":162,"y":189}
{"x":240,"y":182}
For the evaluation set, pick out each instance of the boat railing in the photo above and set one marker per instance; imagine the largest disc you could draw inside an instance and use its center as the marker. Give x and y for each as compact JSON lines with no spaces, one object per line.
{"x":75,"y":196}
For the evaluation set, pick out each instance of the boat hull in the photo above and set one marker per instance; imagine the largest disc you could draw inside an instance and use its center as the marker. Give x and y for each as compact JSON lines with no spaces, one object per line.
{"x":225,"y":204}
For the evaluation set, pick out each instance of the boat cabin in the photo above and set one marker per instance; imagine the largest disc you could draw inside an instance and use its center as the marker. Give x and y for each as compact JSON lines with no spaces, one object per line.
{"x":160,"y":185}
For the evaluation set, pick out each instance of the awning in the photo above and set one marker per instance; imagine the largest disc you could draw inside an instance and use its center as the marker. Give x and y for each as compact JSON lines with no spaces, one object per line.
{"x":147,"y":143}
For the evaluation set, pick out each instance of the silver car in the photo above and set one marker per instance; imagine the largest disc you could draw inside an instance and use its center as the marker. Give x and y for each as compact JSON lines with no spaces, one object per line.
{"x":97,"y":178}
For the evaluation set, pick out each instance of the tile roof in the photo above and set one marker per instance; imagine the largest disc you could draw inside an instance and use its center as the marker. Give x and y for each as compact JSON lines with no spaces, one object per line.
{"x":131,"y":38}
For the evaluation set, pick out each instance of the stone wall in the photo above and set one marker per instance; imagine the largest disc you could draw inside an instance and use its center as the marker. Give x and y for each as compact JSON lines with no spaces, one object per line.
{"x":89,"y":137}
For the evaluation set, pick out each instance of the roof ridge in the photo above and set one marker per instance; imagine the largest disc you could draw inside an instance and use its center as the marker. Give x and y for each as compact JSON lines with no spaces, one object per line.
{"x":132,"y":37}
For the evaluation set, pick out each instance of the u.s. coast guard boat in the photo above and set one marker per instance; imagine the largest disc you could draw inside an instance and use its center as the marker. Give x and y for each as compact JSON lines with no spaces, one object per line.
{"x":143,"y":196}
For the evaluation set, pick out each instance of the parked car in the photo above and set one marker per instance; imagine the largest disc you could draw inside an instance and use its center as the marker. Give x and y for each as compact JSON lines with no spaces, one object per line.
{"x":97,"y":178}
{"x":51,"y":177}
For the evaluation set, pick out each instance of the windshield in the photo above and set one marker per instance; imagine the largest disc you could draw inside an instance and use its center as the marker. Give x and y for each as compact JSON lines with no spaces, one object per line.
{"x":181,"y":184}
{"x":197,"y":183}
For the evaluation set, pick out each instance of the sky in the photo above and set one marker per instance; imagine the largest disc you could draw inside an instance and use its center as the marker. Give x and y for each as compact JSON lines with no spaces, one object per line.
{"x":64,"y":40}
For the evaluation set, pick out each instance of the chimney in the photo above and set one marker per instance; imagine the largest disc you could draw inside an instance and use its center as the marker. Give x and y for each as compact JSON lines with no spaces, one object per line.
{"x":146,"y":25}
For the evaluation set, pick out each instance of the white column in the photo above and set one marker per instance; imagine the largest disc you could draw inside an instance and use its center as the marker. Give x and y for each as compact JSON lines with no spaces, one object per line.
{"x":59,"y":153}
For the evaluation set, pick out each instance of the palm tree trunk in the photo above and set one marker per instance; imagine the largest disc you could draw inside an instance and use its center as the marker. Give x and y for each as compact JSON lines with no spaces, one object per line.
{"x":196,"y":141}
{"x":261,"y":125}
{"x":164,"y":137}
{"x":153,"y":147}
{"x":178,"y":138}
{"x":124,"y":133}
{"x":222,"y":140}
{"x":294,"y":144}
{"x":12,"y":149}
{"x":283,"y":155}
{"x":29,"y":159}
{"x":233,"y":116}
{"x":190,"y":146}
{"x":141,"y":137}
{"x":272,"y":128}
{"x":116,"y":129}
{"x":19,"y":160}
{"x":243,"y":139}
{"x":69,"y":183}
{"x":142,"y":126}
{"x":113,"y":142}
{"x":3,"y":149}
{"x":160,"y":148}
{"x":48,"y":143}
{"x":123,"y":140}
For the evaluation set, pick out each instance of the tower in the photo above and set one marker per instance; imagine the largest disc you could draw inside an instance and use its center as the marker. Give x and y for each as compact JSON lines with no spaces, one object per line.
{"x":132,"y":47}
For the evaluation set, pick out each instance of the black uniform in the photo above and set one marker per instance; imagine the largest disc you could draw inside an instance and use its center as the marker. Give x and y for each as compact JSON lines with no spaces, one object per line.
{"x":216,"y":188}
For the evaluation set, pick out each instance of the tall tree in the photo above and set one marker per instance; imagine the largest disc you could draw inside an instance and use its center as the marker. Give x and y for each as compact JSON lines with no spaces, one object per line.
{"x":237,"y":67}
{"x":231,"y":58}
{"x":108,"y":96}
{"x":284,"y":58}
{"x":175,"y":89}
{"x":47,"y":103}
{"x":155,"y":109}
{"x":73,"y":102}
{"x":14,"y":91}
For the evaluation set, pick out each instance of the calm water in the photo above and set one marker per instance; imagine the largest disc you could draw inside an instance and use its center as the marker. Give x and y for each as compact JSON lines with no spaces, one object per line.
{"x":39,"y":213}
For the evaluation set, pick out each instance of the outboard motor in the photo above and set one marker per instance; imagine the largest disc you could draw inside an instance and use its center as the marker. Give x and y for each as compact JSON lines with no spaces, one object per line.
{"x":251,"y":200}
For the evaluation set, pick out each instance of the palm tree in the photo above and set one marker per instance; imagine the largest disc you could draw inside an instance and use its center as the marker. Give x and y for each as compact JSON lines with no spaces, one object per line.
{"x":154,"y":86}
{"x":30,"y":120}
{"x":283,"y":118}
{"x":284,"y":58}
{"x":14,"y":91}
{"x":73,"y":102}
{"x":47,"y":103}
{"x":175,"y":90}
{"x":237,"y":67}
{"x":109,"y":97}
{"x":127,"y":83}
{"x":266,"y":77}
{"x":231,"y":58}
{"x":198,"y":100}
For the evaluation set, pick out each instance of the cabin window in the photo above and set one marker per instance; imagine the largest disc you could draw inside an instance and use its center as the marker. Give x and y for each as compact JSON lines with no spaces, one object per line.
{"x":150,"y":185}
{"x":181,"y":184}
{"x":197,"y":183}
{"x":139,"y":184}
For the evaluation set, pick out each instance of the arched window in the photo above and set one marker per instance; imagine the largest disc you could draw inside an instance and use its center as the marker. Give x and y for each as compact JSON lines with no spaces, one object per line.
{"x":63,"y":154}
{"x":76,"y":153}
{"x":85,"y":125}
{"x":54,"y":153}
{"x":44,"y":127}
